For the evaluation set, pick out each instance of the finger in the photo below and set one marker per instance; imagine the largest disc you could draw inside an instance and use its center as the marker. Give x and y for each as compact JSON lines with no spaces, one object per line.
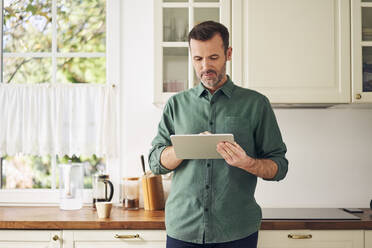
{"x":233,"y":148}
{"x":238,"y":146}
{"x":223,"y":152}
{"x":206,"y":132}
{"x":231,"y":153}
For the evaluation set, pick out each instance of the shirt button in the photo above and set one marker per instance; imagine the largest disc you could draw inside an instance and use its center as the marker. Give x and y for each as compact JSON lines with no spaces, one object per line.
{"x":208,"y":165}
{"x":212,"y":102}
{"x":207,"y":186}
{"x":211,"y":123}
{"x":206,"y":209}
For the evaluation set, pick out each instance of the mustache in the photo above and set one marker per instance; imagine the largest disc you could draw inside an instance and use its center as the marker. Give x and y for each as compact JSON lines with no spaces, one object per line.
{"x":208,"y":71}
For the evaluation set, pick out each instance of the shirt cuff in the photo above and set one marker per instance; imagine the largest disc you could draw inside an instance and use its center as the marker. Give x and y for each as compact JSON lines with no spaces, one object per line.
{"x":154,"y":161}
{"x":282,"y":164}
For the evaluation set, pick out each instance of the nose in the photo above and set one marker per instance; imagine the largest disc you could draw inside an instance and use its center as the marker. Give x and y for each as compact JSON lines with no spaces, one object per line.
{"x":205,"y":64}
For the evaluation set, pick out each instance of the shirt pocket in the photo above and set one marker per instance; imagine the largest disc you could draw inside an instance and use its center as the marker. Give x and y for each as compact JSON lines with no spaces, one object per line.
{"x":242,"y":130}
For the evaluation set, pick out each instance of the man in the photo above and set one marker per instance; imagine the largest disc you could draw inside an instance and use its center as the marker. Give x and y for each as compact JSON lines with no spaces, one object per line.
{"x":212,"y":202}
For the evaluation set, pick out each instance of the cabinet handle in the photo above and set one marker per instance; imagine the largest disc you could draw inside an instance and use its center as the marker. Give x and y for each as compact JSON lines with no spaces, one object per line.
{"x":55,"y":237}
{"x":117,"y":236}
{"x":296,"y":236}
{"x":358,"y":96}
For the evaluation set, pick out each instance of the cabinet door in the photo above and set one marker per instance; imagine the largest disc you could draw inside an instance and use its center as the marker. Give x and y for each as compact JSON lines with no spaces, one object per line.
{"x":173,"y":19}
{"x":293,"y":51}
{"x":30,"y":239}
{"x":368,"y":239}
{"x":114,"y":238}
{"x":311,"y":239}
{"x":361,"y":50}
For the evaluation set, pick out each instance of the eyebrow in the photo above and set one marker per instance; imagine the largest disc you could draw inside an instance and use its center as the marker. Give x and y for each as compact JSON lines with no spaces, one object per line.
{"x":197,"y":56}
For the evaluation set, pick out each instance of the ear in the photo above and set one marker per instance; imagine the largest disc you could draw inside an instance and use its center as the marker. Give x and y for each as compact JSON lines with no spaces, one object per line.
{"x":229,"y":53}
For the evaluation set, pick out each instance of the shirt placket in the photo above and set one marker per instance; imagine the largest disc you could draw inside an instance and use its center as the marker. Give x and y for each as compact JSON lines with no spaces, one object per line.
{"x":209,"y":167}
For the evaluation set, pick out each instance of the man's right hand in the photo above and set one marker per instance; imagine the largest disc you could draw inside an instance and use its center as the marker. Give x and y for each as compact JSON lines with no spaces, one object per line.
{"x":168,"y":158}
{"x":206,"y":132}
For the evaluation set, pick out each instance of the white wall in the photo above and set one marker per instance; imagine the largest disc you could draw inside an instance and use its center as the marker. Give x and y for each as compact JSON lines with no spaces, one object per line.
{"x":329,"y":149}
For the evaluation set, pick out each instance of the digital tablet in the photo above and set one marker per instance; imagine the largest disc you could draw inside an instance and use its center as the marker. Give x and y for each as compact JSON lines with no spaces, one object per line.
{"x":198,"y":146}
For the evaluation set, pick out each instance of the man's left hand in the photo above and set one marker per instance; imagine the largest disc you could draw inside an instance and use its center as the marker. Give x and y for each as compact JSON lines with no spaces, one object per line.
{"x":235,"y":155}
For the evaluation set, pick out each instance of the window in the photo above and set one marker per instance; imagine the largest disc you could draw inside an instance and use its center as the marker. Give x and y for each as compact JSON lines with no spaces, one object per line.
{"x":56,"y":41}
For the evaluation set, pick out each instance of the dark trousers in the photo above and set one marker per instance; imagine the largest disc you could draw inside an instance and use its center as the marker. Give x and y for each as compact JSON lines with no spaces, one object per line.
{"x":247,"y":242}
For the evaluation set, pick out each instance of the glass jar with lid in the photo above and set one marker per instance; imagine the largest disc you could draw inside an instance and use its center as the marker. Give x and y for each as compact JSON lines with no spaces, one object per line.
{"x":130,"y":193}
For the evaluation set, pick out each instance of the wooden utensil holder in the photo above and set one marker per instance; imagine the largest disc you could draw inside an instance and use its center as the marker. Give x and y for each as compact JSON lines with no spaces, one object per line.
{"x":153,"y":193}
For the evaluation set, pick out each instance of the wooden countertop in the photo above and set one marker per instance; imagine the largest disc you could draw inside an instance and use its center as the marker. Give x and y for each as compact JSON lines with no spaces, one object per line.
{"x":86,"y":218}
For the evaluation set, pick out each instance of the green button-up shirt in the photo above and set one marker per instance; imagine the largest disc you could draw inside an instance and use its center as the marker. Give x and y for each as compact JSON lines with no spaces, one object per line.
{"x":209,"y":198}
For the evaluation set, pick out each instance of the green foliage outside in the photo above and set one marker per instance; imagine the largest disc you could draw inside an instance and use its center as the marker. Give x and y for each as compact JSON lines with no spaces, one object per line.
{"x":81,"y":27}
{"x":27,"y":172}
{"x":91,"y":166}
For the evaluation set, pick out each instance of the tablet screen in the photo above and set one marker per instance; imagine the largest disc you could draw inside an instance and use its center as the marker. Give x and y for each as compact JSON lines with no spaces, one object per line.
{"x":199,"y":146}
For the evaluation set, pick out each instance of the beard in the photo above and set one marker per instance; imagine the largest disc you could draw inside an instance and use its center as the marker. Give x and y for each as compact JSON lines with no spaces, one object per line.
{"x":212,"y":81}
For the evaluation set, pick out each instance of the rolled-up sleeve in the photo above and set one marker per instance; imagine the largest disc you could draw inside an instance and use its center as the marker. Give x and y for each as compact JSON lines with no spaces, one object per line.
{"x":161,"y":140}
{"x":269,"y":143}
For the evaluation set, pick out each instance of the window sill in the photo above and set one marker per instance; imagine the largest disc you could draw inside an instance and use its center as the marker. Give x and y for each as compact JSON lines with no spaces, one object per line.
{"x":36,"y":197}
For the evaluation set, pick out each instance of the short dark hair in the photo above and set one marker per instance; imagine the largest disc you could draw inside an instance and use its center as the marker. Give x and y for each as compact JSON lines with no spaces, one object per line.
{"x":206,"y":30}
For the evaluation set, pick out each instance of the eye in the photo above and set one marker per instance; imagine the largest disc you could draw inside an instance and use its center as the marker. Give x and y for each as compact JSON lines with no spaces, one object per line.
{"x":214,"y":57}
{"x":197,"y":58}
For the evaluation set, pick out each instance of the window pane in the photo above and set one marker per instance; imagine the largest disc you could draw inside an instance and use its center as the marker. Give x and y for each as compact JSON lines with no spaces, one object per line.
{"x":27,"y":26}
{"x":367,"y":69}
{"x":206,"y":14}
{"x":175,"y":69}
{"x":175,"y":24}
{"x":81,"y":70}
{"x":366,"y":24}
{"x":175,"y":1}
{"x":27,"y":70}
{"x":206,"y":1}
{"x":92,"y":165}
{"x":26,"y":172}
{"x":81,"y":26}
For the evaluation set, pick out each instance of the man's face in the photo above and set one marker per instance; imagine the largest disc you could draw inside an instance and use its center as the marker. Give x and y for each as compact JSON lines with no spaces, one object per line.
{"x":209,"y":61}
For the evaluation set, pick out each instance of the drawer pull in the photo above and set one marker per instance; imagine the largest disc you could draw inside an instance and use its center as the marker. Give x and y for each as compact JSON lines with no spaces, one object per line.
{"x":117,"y":236}
{"x":296,"y":236}
{"x":55,"y":237}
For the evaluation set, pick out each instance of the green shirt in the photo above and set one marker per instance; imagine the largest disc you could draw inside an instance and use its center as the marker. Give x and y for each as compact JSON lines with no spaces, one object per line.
{"x":208,"y":196}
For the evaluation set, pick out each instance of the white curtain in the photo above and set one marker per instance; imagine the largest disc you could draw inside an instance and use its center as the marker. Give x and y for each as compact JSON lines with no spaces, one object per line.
{"x":59,"y":119}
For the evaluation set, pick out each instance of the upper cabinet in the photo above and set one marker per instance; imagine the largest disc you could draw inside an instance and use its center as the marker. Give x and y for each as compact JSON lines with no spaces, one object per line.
{"x":362,"y":50}
{"x":173,"y":21}
{"x":293,"y":51}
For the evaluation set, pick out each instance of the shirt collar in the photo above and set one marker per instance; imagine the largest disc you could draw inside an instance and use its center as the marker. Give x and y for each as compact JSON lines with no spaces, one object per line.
{"x":227,"y":88}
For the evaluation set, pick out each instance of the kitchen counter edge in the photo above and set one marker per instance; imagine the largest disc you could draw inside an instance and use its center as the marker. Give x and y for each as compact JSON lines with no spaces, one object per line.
{"x":52,"y":218}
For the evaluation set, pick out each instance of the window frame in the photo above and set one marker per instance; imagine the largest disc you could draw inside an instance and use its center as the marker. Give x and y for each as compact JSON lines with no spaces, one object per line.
{"x":112,"y":54}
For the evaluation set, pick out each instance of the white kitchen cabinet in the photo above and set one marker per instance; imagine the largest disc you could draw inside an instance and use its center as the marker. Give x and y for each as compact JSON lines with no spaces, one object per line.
{"x":361,"y":28}
{"x":30,"y":239}
{"x":368,"y":239}
{"x":157,"y":239}
{"x":293,"y":51}
{"x":173,"y":19}
{"x":311,"y":239}
{"x":114,"y":238}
